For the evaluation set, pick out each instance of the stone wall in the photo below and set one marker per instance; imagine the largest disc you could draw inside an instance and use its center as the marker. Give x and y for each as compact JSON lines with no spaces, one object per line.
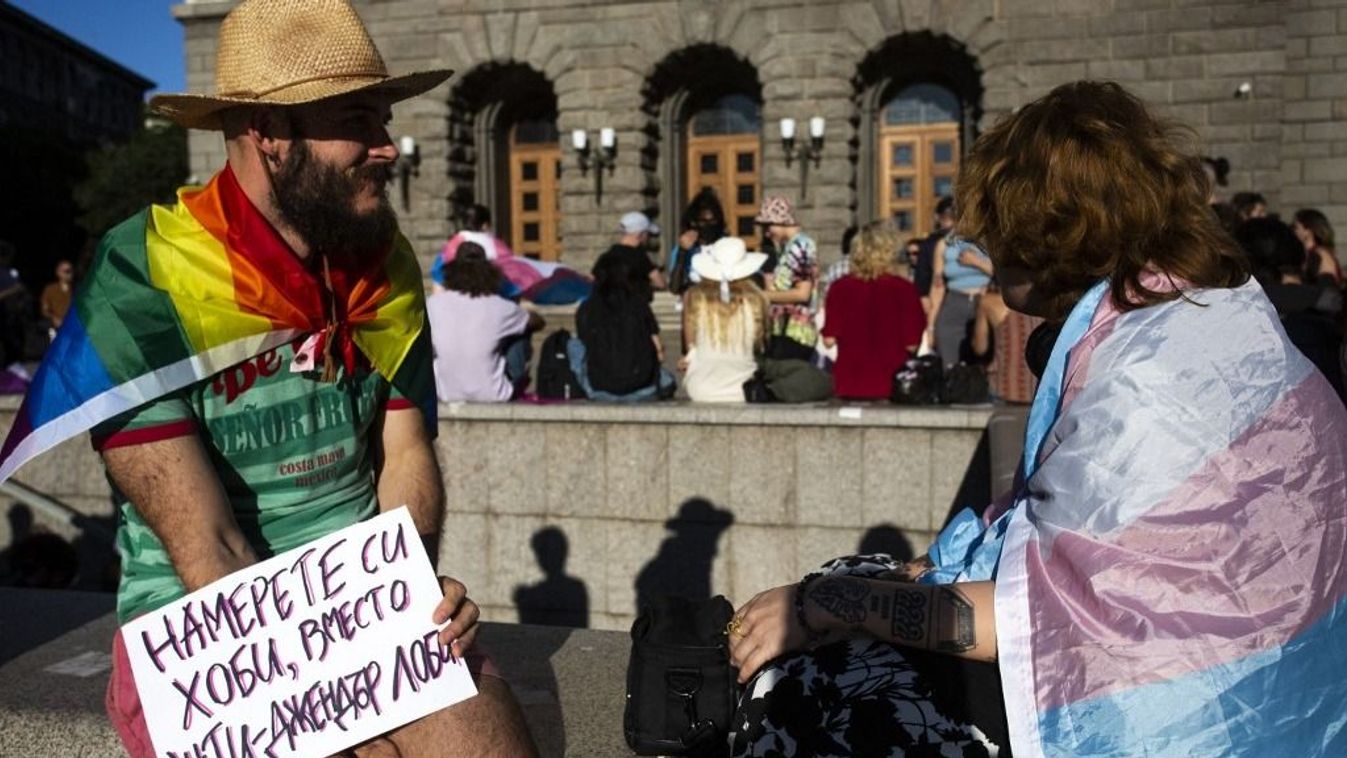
{"x":1186,"y":56}
{"x":670,"y":497}
{"x":1314,"y":138}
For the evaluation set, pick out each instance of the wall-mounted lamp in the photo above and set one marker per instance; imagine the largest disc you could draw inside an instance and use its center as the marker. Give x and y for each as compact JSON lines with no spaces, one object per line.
{"x":605,"y":158}
{"x":807,"y":153}
{"x":408,"y":163}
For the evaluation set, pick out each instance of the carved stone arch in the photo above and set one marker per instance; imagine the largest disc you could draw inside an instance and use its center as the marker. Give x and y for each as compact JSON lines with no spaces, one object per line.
{"x":899,"y":61}
{"x":483,"y":106}
{"x":679,"y":85}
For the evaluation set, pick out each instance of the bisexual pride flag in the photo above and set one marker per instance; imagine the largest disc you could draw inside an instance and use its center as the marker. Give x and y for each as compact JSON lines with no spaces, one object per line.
{"x":179,"y":293}
{"x":1170,"y":577}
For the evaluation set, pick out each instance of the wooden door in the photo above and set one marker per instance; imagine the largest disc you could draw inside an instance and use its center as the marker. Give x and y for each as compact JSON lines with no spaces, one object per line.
{"x":535,"y":199}
{"x":730,"y":164}
{"x":917,"y":166}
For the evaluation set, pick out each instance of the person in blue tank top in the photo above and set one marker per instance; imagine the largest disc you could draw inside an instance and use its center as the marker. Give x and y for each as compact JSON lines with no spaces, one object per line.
{"x":962,"y":272}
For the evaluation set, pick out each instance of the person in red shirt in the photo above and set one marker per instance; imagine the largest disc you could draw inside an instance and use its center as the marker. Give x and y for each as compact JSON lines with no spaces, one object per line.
{"x":874,"y":316}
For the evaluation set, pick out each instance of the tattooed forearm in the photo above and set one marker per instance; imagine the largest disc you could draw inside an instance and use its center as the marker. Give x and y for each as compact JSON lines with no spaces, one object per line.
{"x":909,"y":615}
{"x":843,"y":598}
{"x":954,"y":629}
{"x":879,"y":604}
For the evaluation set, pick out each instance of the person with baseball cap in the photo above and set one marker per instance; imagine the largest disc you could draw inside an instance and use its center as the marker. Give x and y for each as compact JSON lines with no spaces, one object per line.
{"x":281,"y":289}
{"x":635,"y":233}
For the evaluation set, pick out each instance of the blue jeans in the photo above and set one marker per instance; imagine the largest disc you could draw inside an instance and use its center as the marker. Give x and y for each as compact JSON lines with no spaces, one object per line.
{"x":518,"y":351}
{"x":662,"y":388}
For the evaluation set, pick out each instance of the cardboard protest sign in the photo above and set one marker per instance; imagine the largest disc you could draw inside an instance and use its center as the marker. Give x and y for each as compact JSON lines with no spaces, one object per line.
{"x":307,"y":653}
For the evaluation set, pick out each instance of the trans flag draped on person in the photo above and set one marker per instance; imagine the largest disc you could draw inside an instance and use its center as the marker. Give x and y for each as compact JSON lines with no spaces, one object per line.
{"x":1170,"y":579}
{"x":177,"y":294}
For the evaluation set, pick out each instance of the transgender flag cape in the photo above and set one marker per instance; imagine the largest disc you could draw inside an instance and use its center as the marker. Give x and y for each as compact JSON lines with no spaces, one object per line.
{"x":539,"y":282}
{"x":1171,"y":578}
{"x":176,"y":294}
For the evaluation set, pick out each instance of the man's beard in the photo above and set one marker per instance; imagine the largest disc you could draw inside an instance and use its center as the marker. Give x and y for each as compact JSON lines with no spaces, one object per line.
{"x":318,"y":202}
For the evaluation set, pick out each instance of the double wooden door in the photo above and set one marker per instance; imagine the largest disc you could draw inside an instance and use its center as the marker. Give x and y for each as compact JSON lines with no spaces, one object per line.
{"x":917,"y":166}
{"x":730,"y":164}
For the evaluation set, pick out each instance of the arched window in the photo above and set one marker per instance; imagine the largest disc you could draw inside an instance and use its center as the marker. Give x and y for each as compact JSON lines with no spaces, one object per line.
{"x":724,"y":153}
{"x":505,"y":153}
{"x":918,"y":155}
{"x":706,"y":106}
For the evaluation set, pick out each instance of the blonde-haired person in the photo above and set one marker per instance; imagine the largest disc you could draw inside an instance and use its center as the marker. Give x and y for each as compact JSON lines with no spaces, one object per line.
{"x":875,"y":318}
{"x":725,"y":319}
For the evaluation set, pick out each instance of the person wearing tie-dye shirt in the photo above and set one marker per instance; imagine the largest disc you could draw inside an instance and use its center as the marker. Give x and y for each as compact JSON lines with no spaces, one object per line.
{"x":792,"y":287}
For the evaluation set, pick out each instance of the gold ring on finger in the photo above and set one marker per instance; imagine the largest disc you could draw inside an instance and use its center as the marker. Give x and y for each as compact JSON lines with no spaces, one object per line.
{"x":733,"y":628}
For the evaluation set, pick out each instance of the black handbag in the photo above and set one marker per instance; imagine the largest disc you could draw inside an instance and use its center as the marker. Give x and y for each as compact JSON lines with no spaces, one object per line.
{"x":921,"y":381}
{"x":966,"y":385}
{"x":681,"y":688}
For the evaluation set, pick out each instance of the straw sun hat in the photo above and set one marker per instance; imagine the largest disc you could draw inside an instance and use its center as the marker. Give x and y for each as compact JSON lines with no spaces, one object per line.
{"x":289,"y":52}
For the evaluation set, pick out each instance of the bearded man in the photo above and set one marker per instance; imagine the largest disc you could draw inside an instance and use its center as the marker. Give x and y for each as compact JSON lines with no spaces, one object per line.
{"x":253,"y":361}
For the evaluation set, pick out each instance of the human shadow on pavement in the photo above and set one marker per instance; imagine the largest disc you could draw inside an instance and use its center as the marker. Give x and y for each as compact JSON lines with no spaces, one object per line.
{"x":887,"y":539}
{"x":558,"y":600}
{"x":682,"y":566}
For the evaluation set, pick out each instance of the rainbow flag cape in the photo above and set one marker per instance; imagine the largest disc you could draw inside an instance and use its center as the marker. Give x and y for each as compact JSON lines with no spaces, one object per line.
{"x":1170,"y":577}
{"x":179,"y":293}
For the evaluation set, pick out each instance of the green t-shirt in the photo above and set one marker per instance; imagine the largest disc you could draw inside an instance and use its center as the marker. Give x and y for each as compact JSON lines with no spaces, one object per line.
{"x":292,"y":453}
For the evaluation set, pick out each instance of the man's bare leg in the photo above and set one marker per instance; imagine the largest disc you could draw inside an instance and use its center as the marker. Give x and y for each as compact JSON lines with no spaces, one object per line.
{"x":490,"y":724}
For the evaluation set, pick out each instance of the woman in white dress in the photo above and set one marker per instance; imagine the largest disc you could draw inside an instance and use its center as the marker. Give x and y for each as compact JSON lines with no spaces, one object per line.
{"x":724,"y":323}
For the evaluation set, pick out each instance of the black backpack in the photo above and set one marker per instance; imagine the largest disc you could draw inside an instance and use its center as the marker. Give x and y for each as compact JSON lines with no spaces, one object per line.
{"x":555,"y":378}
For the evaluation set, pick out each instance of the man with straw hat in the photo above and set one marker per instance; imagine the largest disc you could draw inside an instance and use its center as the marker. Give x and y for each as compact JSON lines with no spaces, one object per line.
{"x":253,"y":361}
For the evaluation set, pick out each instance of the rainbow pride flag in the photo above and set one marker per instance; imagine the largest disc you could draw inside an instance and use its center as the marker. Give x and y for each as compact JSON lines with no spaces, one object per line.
{"x":179,"y":293}
{"x":1171,"y":577}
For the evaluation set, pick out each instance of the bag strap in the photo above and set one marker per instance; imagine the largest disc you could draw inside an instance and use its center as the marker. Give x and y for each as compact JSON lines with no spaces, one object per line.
{"x":686,"y":683}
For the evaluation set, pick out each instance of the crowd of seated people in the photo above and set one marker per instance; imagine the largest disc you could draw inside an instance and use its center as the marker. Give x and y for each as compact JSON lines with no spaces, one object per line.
{"x":748,"y":314}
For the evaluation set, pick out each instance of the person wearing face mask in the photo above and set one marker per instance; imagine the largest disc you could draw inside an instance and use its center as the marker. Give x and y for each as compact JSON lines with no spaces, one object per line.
{"x":703,"y":225}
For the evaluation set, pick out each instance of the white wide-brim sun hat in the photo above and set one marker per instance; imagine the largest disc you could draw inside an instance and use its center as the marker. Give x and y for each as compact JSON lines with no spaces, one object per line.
{"x":288,"y":52}
{"x":727,"y":260}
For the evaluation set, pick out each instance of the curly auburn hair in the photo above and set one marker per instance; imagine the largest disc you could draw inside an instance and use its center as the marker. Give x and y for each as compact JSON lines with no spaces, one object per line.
{"x":1085,"y":184}
{"x":874,"y":252}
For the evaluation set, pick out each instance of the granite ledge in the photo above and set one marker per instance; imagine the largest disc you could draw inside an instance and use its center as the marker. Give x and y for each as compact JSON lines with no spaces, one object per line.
{"x":833,"y":414}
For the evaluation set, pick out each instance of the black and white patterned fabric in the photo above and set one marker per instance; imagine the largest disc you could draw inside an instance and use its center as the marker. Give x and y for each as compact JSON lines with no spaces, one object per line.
{"x":854,"y":697}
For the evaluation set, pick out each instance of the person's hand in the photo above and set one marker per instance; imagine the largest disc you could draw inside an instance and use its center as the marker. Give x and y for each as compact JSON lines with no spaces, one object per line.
{"x":968,"y":257}
{"x":683,"y":364}
{"x":464,"y":613}
{"x":767,"y":628}
{"x":687,"y":239}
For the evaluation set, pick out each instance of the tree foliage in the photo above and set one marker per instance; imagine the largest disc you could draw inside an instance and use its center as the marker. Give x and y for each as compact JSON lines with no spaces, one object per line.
{"x":124,"y":178}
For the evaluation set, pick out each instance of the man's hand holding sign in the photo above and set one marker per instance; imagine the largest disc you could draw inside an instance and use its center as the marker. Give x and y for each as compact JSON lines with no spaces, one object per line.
{"x":307,"y":653}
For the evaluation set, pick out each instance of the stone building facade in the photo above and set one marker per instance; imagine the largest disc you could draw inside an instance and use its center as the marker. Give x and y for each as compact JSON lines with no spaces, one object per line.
{"x":531,"y":72}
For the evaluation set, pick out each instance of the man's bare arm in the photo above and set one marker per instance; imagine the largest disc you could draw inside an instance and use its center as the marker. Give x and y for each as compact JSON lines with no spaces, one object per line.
{"x":173,"y":486}
{"x":408,"y":474}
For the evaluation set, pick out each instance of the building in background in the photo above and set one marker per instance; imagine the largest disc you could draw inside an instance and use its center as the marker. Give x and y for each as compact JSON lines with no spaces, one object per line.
{"x":695,"y":93}
{"x":53,"y":84}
